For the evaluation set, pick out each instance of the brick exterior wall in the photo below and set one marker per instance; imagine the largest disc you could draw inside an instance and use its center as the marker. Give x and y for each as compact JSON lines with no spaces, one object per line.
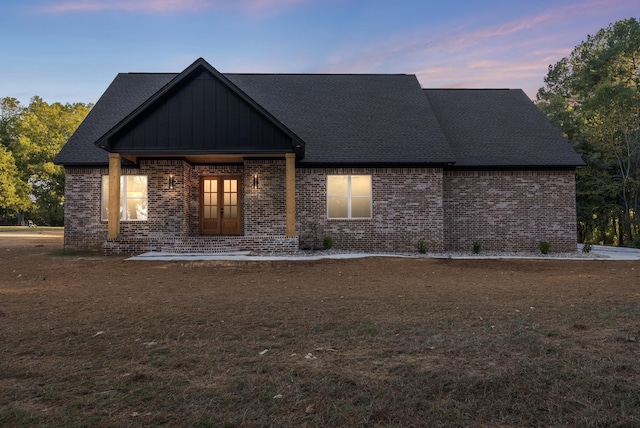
{"x":201,"y":244}
{"x":173,"y":222}
{"x":83,"y":229}
{"x":265,"y":207}
{"x":504,"y":210}
{"x":407,"y":206}
{"x":510,"y":210}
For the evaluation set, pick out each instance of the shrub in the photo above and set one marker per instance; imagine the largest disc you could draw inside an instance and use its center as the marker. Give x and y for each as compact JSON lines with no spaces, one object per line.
{"x":476,"y":246}
{"x":327,"y":242}
{"x":65,"y":252}
{"x":544,"y":247}
{"x":586,"y":247}
{"x":635,"y":242}
{"x":422,"y":246}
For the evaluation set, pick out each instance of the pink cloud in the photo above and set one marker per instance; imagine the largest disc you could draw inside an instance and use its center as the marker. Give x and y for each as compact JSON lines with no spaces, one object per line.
{"x":252,"y":5}
{"x":515,"y":53}
{"x":162,"y":6}
{"x":497,"y":74}
{"x":127,"y":6}
{"x":504,"y":65}
{"x":454,"y":42}
{"x":507,"y":29}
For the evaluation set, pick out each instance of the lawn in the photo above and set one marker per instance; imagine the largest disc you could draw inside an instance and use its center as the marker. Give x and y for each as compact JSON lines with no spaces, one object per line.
{"x":87,"y":340}
{"x":30,"y":230}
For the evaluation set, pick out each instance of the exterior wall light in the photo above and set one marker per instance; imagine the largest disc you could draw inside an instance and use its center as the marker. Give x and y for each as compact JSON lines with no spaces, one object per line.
{"x":172,"y":182}
{"x":256,"y":181}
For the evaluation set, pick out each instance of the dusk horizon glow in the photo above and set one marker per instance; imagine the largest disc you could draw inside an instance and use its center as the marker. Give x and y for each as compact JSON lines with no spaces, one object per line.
{"x":71,"y":50}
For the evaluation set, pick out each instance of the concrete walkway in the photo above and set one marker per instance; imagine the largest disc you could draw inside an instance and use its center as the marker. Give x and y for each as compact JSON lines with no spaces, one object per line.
{"x":598,"y":252}
{"x":614,"y":253}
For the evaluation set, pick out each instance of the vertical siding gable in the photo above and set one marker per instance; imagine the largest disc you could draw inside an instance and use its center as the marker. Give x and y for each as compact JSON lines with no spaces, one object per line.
{"x":200,"y":115}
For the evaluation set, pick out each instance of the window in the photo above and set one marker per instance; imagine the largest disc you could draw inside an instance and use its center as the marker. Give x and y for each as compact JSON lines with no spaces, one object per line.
{"x":349,"y":196}
{"x":133,"y":197}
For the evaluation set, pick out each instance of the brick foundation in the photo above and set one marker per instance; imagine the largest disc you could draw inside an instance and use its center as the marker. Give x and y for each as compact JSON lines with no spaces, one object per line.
{"x":202,"y":244}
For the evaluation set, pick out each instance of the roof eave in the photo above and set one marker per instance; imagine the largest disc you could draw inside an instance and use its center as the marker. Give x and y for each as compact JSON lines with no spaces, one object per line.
{"x":374,"y":164}
{"x":462,"y":167}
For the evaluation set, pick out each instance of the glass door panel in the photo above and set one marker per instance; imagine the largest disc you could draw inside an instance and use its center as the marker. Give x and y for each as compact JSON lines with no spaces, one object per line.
{"x":220,"y":206}
{"x":209,"y":223}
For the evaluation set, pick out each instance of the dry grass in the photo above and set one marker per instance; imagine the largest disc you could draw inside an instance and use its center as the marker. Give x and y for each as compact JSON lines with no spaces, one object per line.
{"x":93,"y":341}
{"x":30,"y":230}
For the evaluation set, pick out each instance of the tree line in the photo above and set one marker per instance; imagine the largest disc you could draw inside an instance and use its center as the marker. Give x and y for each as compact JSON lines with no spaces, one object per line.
{"x":31,"y":186}
{"x":593,"y":97}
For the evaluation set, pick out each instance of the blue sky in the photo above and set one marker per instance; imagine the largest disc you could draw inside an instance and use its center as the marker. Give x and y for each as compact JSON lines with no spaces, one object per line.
{"x":70,"y":50}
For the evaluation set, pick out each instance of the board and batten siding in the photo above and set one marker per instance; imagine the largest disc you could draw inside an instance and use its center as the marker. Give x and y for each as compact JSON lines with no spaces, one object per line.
{"x":200,"y":115}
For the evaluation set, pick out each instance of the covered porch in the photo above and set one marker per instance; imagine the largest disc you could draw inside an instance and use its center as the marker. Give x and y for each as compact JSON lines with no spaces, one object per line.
{"x":219,"y":170}
{"x":238,"y":203}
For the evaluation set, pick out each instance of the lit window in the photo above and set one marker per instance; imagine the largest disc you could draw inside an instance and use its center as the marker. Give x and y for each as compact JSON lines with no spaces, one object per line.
{"x":133,"y":197}
{"x":349,"y":196}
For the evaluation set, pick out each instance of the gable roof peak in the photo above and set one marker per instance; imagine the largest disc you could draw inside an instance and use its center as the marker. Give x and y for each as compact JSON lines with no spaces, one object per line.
{"x":200,"y":62}
{"x":198,"y":65}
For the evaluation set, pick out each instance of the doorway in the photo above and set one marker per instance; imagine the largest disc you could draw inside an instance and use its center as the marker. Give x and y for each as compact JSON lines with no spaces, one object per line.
{"x":220,"y":206}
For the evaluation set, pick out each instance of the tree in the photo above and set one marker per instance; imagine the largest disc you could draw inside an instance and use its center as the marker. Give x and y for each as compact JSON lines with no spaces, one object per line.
{"x":593,"y":96}
{"x":14,"y":193}
{"x":10,"y":111}
{"x":34,"y":135}
{"x":42,"y":131}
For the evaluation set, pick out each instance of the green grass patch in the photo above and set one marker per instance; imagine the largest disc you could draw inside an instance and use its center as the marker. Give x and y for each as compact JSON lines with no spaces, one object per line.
{"x":25,"y":229}
{"x":65,"y":252}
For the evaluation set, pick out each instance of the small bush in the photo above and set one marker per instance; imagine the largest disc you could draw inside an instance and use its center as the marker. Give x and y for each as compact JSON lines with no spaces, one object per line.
{"x":544,"y":247}
{"x":476,"y":247}
{"x":635,"y":242}
{"x":327,"y":242}
{"x":586,"y":247}
{"x":65,"y":252}
{"x":422,"y":246}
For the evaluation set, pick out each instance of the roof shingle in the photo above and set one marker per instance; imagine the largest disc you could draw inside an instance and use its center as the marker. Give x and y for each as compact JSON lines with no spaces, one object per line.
{"x":352,"y":119}
{"x":499,"y":128}
{"x":124,"y":94}
{"x":367,"y":119}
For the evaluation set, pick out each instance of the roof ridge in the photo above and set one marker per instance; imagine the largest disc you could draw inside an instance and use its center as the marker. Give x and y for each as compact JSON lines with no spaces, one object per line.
{"x":320,"y":74}
{"x":168,"y":73}
{"x":470,"y":89}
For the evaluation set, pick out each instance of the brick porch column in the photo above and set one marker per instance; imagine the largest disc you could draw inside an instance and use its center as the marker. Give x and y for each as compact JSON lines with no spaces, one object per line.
{"x":291,"y":193}
{"x":113,"y":217}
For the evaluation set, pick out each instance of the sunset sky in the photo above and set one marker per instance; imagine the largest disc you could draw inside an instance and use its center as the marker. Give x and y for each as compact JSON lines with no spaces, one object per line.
{"x":70,"y":50}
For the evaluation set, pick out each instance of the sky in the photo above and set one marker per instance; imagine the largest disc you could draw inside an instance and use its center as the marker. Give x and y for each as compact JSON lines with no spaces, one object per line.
{"x":71,"y":50}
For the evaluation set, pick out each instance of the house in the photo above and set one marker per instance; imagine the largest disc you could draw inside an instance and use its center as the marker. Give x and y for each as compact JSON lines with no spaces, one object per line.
{"x":205,"y":161}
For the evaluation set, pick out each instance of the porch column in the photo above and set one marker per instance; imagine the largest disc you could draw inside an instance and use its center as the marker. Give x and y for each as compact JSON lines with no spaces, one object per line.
{"x":291,"y":193}
{"x":113,"y":217}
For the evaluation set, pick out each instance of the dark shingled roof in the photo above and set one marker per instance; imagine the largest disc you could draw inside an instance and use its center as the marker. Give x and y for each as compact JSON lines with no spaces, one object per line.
{"x":126,"y":92}
{"x":347,"y":119}
{"x":350,"y":119}
{"x":499,"y":128}
{"x":363,"y":120}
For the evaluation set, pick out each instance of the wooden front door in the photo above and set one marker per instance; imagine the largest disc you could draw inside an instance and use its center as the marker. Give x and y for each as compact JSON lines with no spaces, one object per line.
{"x":220,"y":206}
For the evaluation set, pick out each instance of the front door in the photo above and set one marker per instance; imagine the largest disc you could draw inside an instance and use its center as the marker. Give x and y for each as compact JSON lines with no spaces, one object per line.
{"x":220,"y":206}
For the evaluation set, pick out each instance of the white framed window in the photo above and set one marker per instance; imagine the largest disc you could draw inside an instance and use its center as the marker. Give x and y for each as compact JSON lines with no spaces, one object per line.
{"x":348,"y":196}
{"x":133,"y":197}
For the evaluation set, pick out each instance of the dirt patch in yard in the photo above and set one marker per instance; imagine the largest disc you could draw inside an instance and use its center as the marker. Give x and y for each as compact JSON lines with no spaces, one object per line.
{"x":99,"y":341}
